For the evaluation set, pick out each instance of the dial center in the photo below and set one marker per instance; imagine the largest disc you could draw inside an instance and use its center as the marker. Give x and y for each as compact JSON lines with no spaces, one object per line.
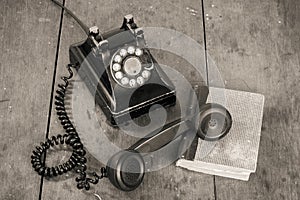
{"x":132,"y":66}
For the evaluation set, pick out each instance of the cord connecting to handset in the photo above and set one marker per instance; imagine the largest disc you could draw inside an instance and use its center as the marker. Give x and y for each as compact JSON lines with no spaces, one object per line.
{"x":77,"y":161}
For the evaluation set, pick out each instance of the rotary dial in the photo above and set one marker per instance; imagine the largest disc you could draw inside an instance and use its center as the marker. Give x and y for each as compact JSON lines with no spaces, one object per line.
{"x":129,"y":68}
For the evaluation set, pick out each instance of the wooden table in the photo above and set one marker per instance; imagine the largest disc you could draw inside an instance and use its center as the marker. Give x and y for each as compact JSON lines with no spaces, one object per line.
{"x":255,"y":44}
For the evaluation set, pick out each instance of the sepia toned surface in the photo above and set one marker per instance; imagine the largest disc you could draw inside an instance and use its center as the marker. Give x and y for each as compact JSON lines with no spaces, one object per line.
{"x":254,"y":44}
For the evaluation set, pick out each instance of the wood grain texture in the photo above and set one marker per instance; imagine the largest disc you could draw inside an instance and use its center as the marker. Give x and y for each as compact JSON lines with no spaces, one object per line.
{"x":170,"y":182}
{"x":256,"y":46}
{"x":28,"y":37}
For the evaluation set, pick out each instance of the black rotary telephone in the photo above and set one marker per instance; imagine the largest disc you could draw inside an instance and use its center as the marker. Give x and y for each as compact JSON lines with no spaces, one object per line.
{"x":115,"y":66}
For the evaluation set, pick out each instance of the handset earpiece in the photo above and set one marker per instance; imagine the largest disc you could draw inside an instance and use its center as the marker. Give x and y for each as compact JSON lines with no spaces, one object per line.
{"x":126,"y":170}
{"x":215,"y":122}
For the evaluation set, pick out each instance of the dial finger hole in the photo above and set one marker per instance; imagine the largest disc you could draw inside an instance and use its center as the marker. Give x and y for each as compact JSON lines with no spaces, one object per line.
{"x":130,"y":50}
{"x":118,"y":59}
{"x":138,"y":52}
{"x":116,"y":67}
{"x":119,"y":75}
{"x":132,"y":83}
{"x":123,"y":53}
{"x":124,"y":81}
{"x":146,"y":74}
{"x":140,"y":80}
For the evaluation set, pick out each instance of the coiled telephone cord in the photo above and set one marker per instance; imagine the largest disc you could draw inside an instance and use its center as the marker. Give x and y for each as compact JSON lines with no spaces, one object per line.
{"x":77,"y":161}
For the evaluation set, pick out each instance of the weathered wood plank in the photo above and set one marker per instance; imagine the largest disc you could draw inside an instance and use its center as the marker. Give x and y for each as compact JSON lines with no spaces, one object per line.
{"x":28,"y":37}
{"x":256,"y":46}
{"x":171,"y":182}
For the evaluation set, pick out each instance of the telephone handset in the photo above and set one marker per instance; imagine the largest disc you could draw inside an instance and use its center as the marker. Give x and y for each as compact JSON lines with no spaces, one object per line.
{"x":116,"y":66}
